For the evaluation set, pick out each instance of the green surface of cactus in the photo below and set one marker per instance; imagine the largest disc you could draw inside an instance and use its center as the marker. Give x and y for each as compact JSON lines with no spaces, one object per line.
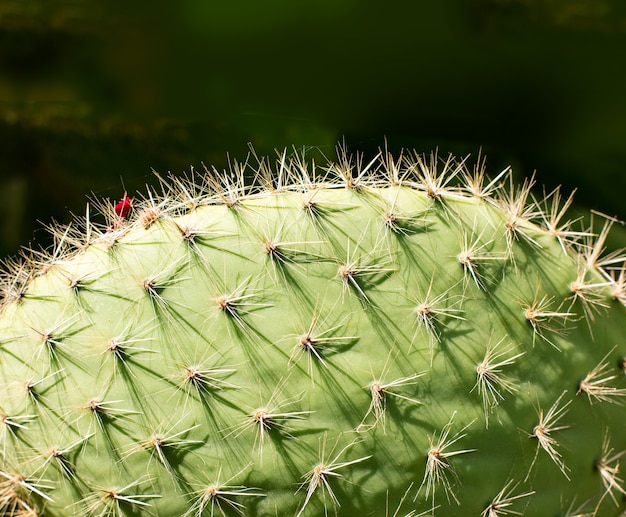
{"x":397,"y":338}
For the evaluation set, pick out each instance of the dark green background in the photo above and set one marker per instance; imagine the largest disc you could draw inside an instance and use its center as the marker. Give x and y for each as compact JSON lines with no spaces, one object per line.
{"x":95,"y":94}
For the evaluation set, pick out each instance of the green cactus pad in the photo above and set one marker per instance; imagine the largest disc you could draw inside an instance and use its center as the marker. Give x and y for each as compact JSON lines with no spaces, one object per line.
{"x":398,"y":338}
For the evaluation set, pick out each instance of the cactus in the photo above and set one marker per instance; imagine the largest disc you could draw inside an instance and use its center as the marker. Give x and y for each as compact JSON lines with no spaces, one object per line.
{"x":397,"y":338}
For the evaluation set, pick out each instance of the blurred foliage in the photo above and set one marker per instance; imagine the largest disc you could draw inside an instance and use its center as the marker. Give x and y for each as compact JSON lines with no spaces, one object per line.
{"x":95,"y":94}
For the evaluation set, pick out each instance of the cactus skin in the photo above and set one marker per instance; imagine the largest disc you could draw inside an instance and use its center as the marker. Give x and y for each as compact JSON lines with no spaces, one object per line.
{"x":370,"y":340}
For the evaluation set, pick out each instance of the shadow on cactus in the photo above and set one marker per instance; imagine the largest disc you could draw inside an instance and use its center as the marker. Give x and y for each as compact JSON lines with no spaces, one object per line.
{"x":397,"y":338}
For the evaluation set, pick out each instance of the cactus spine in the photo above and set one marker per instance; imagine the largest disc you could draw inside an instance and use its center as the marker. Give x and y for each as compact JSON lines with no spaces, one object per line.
{"x":396,"y":338}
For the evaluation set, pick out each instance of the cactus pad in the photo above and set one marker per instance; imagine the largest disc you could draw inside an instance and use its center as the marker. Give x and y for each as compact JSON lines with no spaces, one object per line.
{"x":397,"y":338}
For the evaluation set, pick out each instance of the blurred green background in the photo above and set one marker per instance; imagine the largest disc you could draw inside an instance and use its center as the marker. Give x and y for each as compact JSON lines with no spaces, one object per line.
{"x":93,"y":95}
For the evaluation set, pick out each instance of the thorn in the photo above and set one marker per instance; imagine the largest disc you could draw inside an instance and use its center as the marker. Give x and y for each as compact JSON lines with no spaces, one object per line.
{"x":594,"y":246}
{"x":431,"y":312}
{"x":436,"y":184}
{"x":214,"y":495}
{"x":266,"y":420}
{"x":540,"y":316}
{"x":158,"y":444}
{"x":438,"y":468}
{"x":30,"y":387}
{"x":608,"y":467}
{"x":319,"y":477}
{"x":412,"y":513}
{"x":391,"y":167}
{"x":114,"y":502}
{"x":237,"y":304}
{"x":155,"y":284}
{"x":489,"y":378}
{"x":475,"y":182}
{"x":314,"y":344}
{"x":501,"y":503}
{"x":152,"y":210}
{"x":270,"y":417}
{"x":24,"y":486}
{"x":229,"y":186}
{"x":350,"y":170}
{"x":398,"y":222}
{"x":595,"y":383}
{"x":354,"y":273}
{"x":58,"y":457}
{"x":552,"y":218}
{"x":543,"y":433}
{"x":103,"y":411}
{"x":618,"y":284}
{"x":474,"y":255}
{"x":205,"y":380}
{"x":13,"y":423}
{"x":592,"y":295}
{"x":122,"y":350}
{"x":578,"y":511}
{"x":519,"y":214}
{"x":14,"y":279}
{"x":379,"y":391}
{"x":53,"y":339}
